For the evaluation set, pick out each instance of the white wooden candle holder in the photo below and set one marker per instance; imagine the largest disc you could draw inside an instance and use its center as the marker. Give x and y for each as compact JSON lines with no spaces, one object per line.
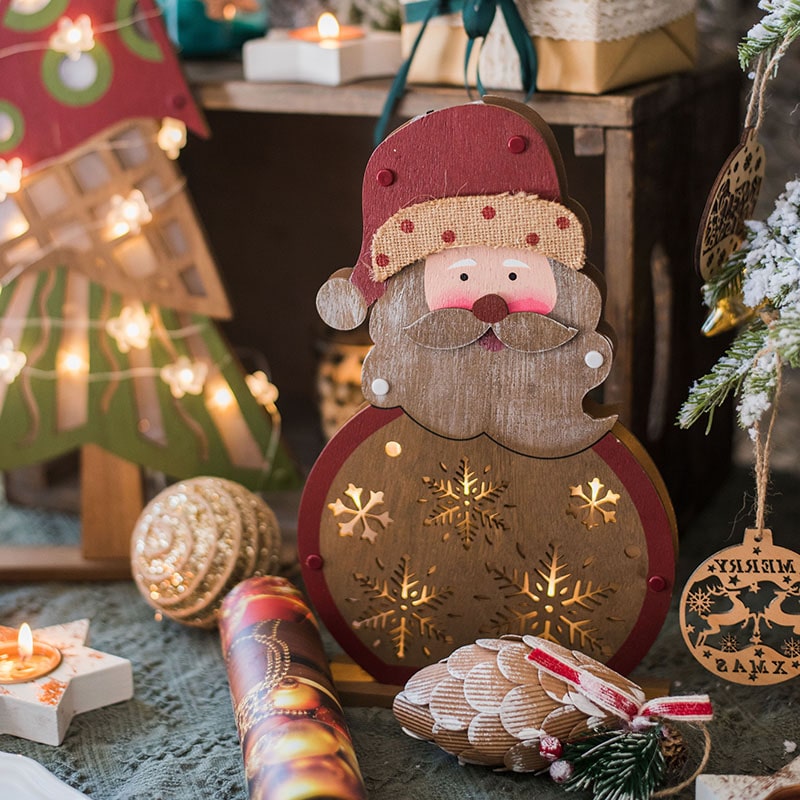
{"x":41,"y":709}
{"x":279,"y":57}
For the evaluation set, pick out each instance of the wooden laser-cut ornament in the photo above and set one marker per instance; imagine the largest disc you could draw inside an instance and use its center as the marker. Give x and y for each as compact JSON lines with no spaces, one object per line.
{"x":478,"y":494}
{"x":740,"y":612}
{"x":731,"y":201}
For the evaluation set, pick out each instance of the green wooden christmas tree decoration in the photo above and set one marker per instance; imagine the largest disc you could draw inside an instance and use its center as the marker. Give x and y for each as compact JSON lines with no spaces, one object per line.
{"x":109,"y":292}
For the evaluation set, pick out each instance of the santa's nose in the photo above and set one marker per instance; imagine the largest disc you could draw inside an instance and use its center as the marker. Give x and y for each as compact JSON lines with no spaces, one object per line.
{"x":490,"y":308}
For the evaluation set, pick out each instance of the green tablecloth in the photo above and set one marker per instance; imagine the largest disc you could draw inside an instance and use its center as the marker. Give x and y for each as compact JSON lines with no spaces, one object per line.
{"x":176,"y":738}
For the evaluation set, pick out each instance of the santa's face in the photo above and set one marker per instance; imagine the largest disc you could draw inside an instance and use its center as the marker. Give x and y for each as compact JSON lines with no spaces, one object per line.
{"x":500,"y":341}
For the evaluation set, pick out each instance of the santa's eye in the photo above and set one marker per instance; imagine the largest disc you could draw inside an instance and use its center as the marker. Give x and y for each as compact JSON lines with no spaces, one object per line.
{"x":464,"y":276}
{"x":512,"y":276}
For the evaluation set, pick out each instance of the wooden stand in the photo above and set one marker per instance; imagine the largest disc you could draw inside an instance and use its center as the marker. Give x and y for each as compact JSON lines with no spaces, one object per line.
{"x":111,"y":501}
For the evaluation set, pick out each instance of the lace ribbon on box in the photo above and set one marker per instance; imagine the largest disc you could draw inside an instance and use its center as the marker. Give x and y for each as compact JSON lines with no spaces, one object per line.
{"x":595,"y":20}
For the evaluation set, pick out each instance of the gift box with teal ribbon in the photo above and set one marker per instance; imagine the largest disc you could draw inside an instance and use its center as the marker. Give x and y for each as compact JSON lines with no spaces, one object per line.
{"x":582,"y":46}
{"x":201,"y":28}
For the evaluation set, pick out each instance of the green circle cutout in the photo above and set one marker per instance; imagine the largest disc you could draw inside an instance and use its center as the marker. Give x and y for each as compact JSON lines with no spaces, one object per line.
{"x":19,"y":126}
{"x":78,"y":97}
{"x":18,"y":21}
{"x":130,"y":35}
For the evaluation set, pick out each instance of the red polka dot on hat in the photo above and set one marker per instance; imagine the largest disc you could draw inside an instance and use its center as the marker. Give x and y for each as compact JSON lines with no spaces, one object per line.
{"x":562,"y":223}
{"x":382,"y":260}
{"x":532,"y":239}
{"x":488,"y":212}
{"x":407,"y":226}
{"x":448,"y":237}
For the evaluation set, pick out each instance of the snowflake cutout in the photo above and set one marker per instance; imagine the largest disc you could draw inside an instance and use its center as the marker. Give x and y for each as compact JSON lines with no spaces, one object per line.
{"x":791,"y":648}
{"x":360,"y":515}
{"x":404,"y":607}
{"x":729,"y":643}
{"x":592,"y":507}
{"x":700,"y":601}
{"x":542,"y":606}
{"x":465,"y":504}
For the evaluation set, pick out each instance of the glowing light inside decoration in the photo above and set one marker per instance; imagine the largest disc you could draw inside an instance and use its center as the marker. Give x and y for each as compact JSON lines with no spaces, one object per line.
{"x":185,"y":376}
{"x":73,"y":38}
{"x":262,"y":388}
{"x":127,"y":214}
{"x":11,"y":361}
{"x":171,"y":136}
{"x":72,"y":363}
{"x":131,"y":329}
{"x":228,"y":11}
{"x":222,"y":398}
{"x":328,"y":26}
{"x":10,"y":176}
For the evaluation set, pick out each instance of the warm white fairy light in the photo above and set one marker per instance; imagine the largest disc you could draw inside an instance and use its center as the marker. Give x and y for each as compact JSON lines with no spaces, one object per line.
{"x":184,"y":376}
{"x":127,"y":214}
{"x":171,"y":136}
{"x":11,"y":361}
{"x":131,"y":329}
{"x":73,"y":38}
{"x":10,"y":176}
{"x":262,"y":388}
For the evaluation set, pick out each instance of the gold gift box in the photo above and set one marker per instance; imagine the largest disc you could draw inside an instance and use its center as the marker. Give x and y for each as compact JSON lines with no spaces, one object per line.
{"x":564,"y":65}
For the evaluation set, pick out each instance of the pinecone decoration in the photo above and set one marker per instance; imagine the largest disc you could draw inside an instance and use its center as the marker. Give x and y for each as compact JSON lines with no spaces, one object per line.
{"x":673,"y":748}
{"x":488,"y":704}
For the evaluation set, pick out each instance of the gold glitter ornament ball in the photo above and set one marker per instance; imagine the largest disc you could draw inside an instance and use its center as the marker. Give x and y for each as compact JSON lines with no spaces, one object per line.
{"x":195,"y":541}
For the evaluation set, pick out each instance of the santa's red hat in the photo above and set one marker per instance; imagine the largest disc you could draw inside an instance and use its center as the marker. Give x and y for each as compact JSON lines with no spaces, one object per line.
{"x":486,"y":173}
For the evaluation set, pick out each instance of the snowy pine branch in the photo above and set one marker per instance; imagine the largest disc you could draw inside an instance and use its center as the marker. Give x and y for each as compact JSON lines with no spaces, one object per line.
{"x":768,"y":267}
{"x":777,"y":30}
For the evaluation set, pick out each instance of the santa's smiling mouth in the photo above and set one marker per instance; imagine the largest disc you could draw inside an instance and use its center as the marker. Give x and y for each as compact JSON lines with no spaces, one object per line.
{"x":490,"y":342}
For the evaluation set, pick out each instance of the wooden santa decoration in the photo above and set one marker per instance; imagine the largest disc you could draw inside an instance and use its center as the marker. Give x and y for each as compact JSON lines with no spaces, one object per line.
{"x":477,"y":494}
{"x":109,"y":291}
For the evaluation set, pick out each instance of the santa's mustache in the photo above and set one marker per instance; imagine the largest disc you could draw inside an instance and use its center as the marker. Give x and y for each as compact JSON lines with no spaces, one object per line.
{"x":451,"y":328}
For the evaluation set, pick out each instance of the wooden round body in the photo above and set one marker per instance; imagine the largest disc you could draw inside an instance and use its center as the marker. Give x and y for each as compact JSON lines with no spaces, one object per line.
{"x":412,"y":544}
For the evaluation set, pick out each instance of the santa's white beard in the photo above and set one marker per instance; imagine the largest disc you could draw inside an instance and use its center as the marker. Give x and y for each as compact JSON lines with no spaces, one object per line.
{"x":530,"y":402}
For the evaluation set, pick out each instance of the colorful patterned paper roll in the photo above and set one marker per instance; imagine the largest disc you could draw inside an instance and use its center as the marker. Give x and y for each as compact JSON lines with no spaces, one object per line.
{"x":294,"y":738}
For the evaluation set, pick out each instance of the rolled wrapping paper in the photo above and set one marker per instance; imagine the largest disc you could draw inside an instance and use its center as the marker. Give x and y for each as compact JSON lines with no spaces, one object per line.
{"x":292,"y":730}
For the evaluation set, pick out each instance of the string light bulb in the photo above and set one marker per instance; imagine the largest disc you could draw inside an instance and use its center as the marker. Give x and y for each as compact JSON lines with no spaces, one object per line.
{"x":10,"y":176}
{"x":131,"y":329}
{"x":171,"y":136}
{"x":73,"y":38}
{"x":11,"y":361}
{"x":222,"y":398}
{"x":260,"y":386}
{"x":127,"y":214}
{"x":184,"y":376}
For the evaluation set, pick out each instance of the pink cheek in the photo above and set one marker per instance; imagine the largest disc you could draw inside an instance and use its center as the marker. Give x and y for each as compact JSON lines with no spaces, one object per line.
{"x":453,"y":299}
{"x":538,"y":305}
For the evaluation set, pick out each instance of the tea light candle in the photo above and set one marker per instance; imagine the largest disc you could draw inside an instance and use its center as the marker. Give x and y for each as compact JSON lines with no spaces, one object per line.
{"x":26,"y":660}
{"x":39,"y":704}
{"x":328,"y":54}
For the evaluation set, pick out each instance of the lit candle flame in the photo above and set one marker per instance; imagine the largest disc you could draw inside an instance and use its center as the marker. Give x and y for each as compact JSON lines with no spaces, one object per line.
{"x":328,"y":26}
{"x":25,"y":641}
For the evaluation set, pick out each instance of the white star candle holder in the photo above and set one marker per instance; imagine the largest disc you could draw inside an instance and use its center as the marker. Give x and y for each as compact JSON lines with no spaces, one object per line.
{"x":38,"y":700}
{"x":328,"y":56}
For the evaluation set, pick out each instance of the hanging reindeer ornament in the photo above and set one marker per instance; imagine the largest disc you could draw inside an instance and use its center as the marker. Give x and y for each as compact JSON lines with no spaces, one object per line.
{"x":478,"y":494}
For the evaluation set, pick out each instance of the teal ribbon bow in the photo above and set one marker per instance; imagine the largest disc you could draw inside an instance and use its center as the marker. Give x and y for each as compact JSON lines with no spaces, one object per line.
{"x":478,"y":16}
